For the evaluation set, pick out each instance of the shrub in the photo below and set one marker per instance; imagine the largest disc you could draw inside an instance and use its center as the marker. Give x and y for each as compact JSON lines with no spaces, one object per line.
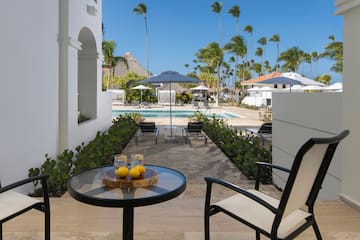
{"x":96,"y":153}
{"x":242,"y":149}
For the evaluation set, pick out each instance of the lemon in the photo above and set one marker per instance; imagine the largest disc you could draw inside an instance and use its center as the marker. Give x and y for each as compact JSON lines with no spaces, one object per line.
{"x":141,"y":169}
{"x":122,"y":171}
{"x":134,"y":172}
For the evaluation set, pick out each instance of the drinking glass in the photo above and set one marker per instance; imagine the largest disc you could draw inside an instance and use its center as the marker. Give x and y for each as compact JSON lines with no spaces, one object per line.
{"x":120,"y":160}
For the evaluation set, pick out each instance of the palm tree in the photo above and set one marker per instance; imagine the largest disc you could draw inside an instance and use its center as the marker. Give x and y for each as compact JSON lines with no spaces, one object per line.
{"x":334,"y":51}
{"x":315,"y":59}
{"x":187,"y":67}
{"x":276,"y":39}
{"x":212,"y":56}
{"x":110,"y":61}
{"x":307,"y":59}
{"x":249,"y":29}
{"x":259,"y":52}
{"x":238,"y":47}
{"x":257,"y":67}
{"x":292,"y":59}
{"x":216,"y":8}
{"x":235,"y":11}
{"x":262,"y":41}
{"x":325,"y":78}
{"x":267,"y":66}
{"x":141,"y":9}
{"x":108,"y":48}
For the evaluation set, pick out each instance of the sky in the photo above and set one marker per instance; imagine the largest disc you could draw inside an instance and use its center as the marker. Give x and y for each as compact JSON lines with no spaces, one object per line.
{"x":179,"y":28}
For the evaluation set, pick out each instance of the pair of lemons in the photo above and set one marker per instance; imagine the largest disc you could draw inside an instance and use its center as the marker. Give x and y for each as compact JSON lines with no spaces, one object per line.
{"x":134,"y":172}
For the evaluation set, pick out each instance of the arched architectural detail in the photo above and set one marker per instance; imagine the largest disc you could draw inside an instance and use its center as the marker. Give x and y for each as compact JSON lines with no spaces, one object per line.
{"x":87,"y":75}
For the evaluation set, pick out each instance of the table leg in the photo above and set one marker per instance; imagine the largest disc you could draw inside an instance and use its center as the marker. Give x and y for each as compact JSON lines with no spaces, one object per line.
{"x":128,"y":223}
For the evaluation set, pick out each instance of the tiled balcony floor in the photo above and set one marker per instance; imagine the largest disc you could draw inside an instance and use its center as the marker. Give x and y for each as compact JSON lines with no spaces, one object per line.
{"x":177,"y":219}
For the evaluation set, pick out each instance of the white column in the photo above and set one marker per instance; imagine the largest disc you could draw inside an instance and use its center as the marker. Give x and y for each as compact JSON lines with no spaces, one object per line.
{"x":350,"y":9}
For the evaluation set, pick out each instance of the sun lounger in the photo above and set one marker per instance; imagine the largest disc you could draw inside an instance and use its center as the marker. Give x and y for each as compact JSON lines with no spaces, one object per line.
{"x":147,"y":128}
{"x":196,"y":104}
{"x":194,"y":129}
{"x":264,"y":132}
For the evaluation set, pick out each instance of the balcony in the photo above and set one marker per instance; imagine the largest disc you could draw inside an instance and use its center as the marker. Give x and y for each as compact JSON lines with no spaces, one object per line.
{"x":180,"y":218}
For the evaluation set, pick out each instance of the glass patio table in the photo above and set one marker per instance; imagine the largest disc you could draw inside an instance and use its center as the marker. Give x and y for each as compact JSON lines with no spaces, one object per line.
{"x":88,"y":187}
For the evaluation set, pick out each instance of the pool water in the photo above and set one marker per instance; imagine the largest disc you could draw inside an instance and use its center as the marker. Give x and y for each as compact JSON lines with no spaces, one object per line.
{"x":175,"y":113}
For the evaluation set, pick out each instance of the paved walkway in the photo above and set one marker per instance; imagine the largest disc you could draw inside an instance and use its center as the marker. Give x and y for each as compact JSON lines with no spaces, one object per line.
{"x":195,"y":159}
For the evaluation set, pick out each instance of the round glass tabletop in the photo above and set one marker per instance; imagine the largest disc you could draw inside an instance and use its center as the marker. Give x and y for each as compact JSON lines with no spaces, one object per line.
{"x":88,"y":187}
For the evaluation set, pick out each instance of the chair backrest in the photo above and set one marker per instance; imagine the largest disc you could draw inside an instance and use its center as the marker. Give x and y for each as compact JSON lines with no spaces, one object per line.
{"x":195,"y":126}
{"x":147,"y":126}
{"x":265,"y":128}
{"x":307,"y":174}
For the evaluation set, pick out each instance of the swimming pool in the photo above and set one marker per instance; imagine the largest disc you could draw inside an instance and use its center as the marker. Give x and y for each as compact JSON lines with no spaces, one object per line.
{"x":175,"y":113}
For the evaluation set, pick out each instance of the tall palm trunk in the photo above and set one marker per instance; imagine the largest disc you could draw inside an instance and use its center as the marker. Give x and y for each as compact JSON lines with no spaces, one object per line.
{"x":147,"y":48}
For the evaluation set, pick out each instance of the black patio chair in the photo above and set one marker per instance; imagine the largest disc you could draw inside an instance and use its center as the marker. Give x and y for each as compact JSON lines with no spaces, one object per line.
{"x":294,"y":212}
{"x":147,"y":128}
{"x":13,"y":204}
{"x":194,"y":129}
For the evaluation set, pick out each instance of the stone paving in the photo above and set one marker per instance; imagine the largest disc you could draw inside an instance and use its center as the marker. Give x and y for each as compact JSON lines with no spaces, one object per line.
{"x":195,"y":160}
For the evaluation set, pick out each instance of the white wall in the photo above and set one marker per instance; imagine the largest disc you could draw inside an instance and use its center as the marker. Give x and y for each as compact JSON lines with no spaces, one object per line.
{"x":38,"y":71}
{"x":296,"y":118}
{"x":350,"y":9}
{"x":29,"y":85}
{"x":74,"y":18}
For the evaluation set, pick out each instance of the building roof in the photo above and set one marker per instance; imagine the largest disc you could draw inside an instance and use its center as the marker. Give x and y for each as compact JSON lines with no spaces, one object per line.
{"x":133,"y":64}
{"x":261,"y":78}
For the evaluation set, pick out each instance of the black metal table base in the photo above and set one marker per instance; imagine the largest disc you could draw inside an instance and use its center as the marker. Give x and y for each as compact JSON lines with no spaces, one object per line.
{"x":128,"y":223}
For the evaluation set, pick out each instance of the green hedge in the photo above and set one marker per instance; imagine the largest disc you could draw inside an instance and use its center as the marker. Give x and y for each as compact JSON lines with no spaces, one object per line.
{"x":242,"y":149}
{"x":96,"y":153}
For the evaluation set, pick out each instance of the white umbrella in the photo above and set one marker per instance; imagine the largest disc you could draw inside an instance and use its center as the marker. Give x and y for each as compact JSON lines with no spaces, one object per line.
{"x":141,"y":88}
{"x":312,"y":87}
{"x":200,"y":88}
{"x":338,"y":86}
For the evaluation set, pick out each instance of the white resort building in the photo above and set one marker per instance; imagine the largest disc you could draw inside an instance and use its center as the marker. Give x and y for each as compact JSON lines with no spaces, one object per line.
{"x":50,"y":73}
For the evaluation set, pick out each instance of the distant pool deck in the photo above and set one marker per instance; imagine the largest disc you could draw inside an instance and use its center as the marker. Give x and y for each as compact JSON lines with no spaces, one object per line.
{"x":235,"y":116}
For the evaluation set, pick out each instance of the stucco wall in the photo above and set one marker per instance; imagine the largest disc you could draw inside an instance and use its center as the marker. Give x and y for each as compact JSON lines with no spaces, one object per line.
{"x":296,"y":118}
{"x":80,"y":17}
{"x":38,"y":71}
{"x":350,"y":9}
{"x":29,"y":85}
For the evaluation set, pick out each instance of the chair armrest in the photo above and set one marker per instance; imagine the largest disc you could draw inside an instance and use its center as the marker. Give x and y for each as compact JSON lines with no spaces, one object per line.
{"x":210,"y":181}
{"x":156,"y":131}
{"x":259,"y":165}
{"x":43,"y":178}
{"x":269,"y":165}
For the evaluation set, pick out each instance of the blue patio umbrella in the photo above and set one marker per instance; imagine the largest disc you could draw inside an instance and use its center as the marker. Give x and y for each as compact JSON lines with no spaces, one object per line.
{"x":170,"y":77}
